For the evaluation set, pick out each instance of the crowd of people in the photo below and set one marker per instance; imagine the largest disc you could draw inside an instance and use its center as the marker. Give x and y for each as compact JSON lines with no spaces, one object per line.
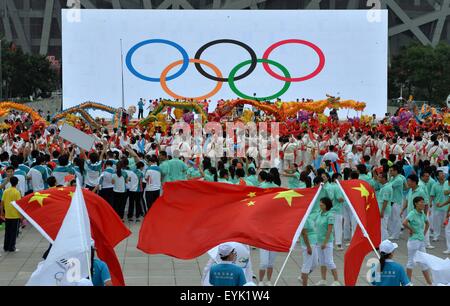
{"x":128,"y":167}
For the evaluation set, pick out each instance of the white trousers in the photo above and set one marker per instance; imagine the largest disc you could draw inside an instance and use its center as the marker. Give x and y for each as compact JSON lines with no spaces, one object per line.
{"x":438,"y":221}
{"x":395,"y":221}
{"x":310,"y":262}
{"x":349,"y":223}
{"x":384,"y":227}
{"x":266,"y":259}
{"x":447,"y":235}
{"x":326,"y":256}
{"x":413,"y":247}
{"x":338,"y":228}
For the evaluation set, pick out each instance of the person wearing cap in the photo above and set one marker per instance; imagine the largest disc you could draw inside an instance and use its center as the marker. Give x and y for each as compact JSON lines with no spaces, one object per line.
{"x":391,"y":273}
{"x":417,"y":224}
{"x":227,"y":273}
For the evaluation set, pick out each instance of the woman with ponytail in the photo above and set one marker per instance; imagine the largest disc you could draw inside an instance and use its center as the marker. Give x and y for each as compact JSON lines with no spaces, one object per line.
{"x":390,"y":273}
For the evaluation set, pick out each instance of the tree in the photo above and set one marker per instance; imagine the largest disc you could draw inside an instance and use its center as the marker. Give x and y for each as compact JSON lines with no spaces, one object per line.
{"x":26,"y":75}
{"x":423,"y":71}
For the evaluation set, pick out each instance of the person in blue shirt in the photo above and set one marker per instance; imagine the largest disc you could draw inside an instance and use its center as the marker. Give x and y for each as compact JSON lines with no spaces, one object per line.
{"x":227,"y":273}
{"x":99,"y":270}
{"x":141,"y":108}
{"x":391,"y":273}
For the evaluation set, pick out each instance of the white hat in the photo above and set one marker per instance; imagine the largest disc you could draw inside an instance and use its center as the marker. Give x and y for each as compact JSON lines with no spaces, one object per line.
{"x":388,"y":247}
{"x":225,"y":250}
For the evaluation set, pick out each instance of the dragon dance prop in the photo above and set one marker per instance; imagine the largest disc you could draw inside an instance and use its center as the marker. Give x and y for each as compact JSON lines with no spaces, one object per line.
{"x":283,"y":110}
{"x":81,"y":109}
{"x":5,"y":108}
{"x":188,"y":105}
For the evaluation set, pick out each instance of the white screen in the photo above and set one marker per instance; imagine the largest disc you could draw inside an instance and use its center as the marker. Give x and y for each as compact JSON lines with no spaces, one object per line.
{"x":354,"y":47}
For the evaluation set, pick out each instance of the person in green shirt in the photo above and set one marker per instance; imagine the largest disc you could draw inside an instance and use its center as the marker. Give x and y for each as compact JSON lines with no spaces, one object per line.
{"x":414,"y":191}
{"x":437,"y":196}
{"x":308,"y":241}
{"x":224,"y":176}
{"x":266,"y":258}
{"x":337,"y":198}
{"x":398,"y":183}
{"x":164,"y":167}
{"x":192,"y":172}
{"x":177,"y":168}
{"x":384,"y":198}
{"x":324,"y":226}
{"x":251,"y":179}
{"x":294,"y":178}
{"x":417,"y":224}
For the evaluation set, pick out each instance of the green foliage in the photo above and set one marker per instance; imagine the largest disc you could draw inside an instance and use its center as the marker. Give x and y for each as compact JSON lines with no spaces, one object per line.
{"x":26,"y":75}
{"x":423,"y":71}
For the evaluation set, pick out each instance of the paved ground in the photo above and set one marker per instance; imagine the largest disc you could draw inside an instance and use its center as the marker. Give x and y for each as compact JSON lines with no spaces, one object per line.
{"x":143,"y":270}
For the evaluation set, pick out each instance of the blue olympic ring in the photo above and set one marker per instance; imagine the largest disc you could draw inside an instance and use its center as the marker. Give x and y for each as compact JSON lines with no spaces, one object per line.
{"x":157,"y":41}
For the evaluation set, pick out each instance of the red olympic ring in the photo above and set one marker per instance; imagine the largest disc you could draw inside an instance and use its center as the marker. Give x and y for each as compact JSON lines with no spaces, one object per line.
{"x":294,"y":41}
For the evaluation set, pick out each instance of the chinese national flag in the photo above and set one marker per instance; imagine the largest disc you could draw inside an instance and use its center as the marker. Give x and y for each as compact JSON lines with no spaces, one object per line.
{"x":362,"y":198}
{"x":194,"y":216}
{"x":46,"y":211}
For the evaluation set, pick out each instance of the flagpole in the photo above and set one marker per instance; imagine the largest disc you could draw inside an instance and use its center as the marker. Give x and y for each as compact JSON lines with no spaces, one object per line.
{"x":121,"y":60}
{"x":299,"y":231}
{"x":88,"y":253}
{"x":363,"y":229}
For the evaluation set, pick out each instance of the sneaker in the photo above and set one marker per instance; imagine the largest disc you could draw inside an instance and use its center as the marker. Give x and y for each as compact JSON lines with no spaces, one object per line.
{"x":130,"y":219}
{"x":261,"y":284}
{"x":15,"y":251}
{"x":138,"y":220}
{"x":435,"y":240}
{"x":347,"y":244}
{"x":446,"y":252}
{"x":268,"y":283}
{"x":322,"y":283}
{"x":430,"y":247}
{"x":299,"y":278}
{"x":339,"y":248}
{"x":336,"y":283}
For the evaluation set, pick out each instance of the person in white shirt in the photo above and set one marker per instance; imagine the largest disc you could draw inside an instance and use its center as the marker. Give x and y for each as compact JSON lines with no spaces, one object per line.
{"x":353,"y":158}
{"x":330,"y":155}
{"x":119,"y":181}
{"x":152,"y":179}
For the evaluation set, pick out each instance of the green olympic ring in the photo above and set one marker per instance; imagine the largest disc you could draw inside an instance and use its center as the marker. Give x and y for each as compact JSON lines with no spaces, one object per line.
{"x":248,"y":62}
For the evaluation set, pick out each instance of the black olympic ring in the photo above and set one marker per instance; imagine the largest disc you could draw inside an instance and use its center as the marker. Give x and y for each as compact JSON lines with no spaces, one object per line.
{"x":254,"y":59}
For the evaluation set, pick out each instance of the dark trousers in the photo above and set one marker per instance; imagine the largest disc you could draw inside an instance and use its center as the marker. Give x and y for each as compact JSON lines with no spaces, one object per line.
{"x":120,"y":200}
{"x":150,"y":198}
{"x":11,"y":231}
{"x":107,"y":194}
{"x":90,"y":187}
{"x":141,"y":114}
{"x":135,"y":201}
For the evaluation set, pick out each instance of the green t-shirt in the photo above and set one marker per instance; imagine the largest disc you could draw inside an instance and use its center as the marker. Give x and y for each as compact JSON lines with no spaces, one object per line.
{"x":311,"y":232}
{"x":294,"y":181}
{"x":177,"y":169}
{"x":419,"y":192}
{"x":335,"y":193}
{"x":322,"y":221}
{"x":323,"y":193}
{"x":268,"y":185}
{"x":417,"y":223}
{"x":193,"y":173}
{"x":385,"y":194}
{"x":437,"y":191}
{"x":209,"y":177}
{"x":251,"y":180}
{"x":397,"y":184}
{"x":164,"y":167}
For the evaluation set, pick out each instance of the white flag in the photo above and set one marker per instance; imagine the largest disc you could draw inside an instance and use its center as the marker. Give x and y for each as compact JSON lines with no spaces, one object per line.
{"x":440,"y":268}
{"x":69,"y":259}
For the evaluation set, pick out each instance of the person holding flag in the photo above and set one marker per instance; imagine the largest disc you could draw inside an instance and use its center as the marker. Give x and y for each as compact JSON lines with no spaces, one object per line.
{"x":324,"y":225}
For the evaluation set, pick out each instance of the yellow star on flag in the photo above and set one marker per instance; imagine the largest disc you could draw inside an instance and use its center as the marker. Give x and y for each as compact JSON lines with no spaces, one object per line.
{"x":288,"y":195}
{"x":61,"y":189}
{"x":39,"y":197}
{"x":364,"y":192}
{"x":251,"y":194}
{"x":71,"y":194}
{"x":251,"y":203}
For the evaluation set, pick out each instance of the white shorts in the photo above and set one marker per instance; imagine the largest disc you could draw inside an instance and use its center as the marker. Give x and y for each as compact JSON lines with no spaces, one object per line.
{"x":326,"y":256}
{"x":310,"y":262}
{"x":413,"y":247}
{"x":266,"y":259}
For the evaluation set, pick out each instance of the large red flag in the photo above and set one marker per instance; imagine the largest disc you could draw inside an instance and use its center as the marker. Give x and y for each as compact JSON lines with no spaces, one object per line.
{"x":194,"y":216}
{"x":46,"y":211}
{"x":362,"y":197}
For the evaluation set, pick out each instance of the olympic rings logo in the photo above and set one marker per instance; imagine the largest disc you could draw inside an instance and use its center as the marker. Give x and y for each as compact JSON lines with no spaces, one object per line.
{"x":218,"y":77}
